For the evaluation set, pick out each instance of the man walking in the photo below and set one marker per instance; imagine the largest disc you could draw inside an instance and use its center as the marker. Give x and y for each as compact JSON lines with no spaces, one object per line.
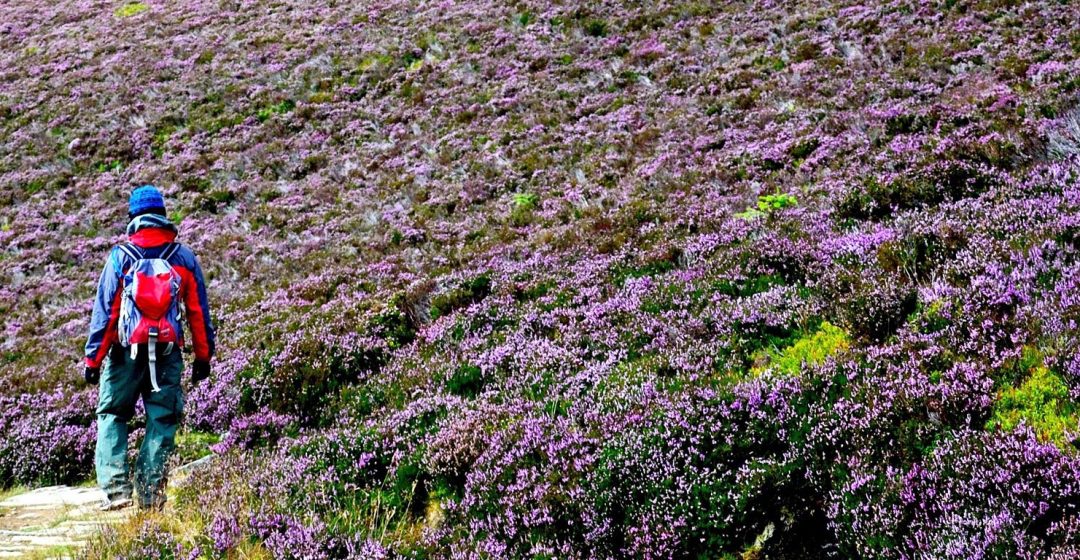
{"x":149,"y":285}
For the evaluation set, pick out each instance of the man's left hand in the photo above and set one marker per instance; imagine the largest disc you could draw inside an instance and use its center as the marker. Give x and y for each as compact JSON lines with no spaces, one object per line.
{"x":199,"y":370}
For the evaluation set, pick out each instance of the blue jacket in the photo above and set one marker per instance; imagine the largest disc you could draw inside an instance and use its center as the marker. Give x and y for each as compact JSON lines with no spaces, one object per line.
{"x":151,"y":233}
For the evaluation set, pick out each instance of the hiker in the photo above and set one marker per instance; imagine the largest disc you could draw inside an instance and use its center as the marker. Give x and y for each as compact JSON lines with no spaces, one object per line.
{"x":135,"y":348}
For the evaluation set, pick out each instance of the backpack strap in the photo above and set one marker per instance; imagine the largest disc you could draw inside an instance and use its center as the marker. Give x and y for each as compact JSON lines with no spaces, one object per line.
{"x":131,"y":250}
{"x":169,"y":251}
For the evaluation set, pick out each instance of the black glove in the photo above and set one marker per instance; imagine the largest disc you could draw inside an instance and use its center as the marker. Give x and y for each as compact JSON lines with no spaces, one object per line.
{"x":199,"y":370}
{"x":92,"y":375}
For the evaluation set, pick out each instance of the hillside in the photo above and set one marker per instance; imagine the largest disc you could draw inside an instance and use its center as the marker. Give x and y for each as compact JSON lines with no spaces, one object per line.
{"x":676,"y":279}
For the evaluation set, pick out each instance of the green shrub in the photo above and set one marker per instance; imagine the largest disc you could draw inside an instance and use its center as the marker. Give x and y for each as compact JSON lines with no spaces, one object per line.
{"x":523,"y":206}
{"x":308,"y":378}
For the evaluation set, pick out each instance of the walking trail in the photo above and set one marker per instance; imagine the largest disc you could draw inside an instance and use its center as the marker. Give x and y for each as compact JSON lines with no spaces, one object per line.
{"x":52,"y":522}
{"x":57,"y":521}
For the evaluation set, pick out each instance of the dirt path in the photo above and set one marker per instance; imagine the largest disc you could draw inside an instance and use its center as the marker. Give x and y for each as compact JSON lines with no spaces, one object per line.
{"x":52,"y":522}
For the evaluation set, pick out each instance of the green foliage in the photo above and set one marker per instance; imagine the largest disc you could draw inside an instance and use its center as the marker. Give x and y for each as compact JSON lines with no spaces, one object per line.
{"x":653,"y":267}
{"x":811,"y":349}
{"x":535,"y":291}
{"x":524,"y":18}
{"x":773,"y":202}
{"x":411,"y":58}
{"x":467,"y":381}
{"x":34,"y":187}
{"x":191,"y":446}
{"x":162,"y":133}
{"x":206,"y":57}
{"x":596,"y":28}
{"x":768,"y":205}
{"x":468,"y":293}
{"x":131,"y":9}
{"x":525,"y":200}
{"x":361,"y":400}
{"x":523,"y":206}
{"x":1042,"y":402}
{"x":315,"y":373}
{"x":275,"y":109}
{"x":748,"y":287}
{"x":109,"y":167}
{"x":177,"y":216}
{"x":803,"y":149}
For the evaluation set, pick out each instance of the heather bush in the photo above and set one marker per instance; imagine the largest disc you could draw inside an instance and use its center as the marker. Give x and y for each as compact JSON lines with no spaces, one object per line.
{"x":711,"y":479}
{"x":963,"y":501}
{"x":526,"y":493}
{"x":47,"y":439}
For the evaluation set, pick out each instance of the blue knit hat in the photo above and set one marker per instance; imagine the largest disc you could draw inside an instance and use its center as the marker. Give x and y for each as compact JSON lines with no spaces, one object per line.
{"x":146,"y":199}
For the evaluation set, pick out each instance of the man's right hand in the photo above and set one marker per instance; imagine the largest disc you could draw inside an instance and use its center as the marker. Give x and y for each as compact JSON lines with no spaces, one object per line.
{"x":92,"y":375}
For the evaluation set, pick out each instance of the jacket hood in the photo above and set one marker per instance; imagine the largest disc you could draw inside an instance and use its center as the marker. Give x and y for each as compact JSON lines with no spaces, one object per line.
{"x":151,"y":230}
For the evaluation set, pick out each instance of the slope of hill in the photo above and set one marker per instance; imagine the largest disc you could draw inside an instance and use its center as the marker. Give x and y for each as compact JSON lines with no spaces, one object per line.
{"x":675,"y":279}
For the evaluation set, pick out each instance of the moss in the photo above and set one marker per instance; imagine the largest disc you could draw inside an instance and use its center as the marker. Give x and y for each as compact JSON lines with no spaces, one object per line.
{"x":811,"y":349}
{"x":1041,"y":402}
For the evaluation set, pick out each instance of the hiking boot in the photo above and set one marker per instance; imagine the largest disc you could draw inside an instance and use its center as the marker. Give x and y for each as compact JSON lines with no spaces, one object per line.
{"x":114,"y":504}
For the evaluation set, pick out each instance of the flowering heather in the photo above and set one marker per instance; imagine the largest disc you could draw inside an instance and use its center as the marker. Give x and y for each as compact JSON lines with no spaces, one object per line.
{"x":676,"y":279}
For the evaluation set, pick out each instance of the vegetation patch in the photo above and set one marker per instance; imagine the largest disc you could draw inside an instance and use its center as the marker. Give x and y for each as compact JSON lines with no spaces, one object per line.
{"x":809,"y":350}
{"x":131,"y":9}
{"x":1041,"y":402}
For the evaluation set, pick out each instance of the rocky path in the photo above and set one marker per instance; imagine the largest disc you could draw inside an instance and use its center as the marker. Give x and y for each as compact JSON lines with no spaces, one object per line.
{"x":56,"y":521}
{"x":52,"y":522}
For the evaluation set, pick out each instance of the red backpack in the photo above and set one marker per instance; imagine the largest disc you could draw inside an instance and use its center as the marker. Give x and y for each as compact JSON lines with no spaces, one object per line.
{"x":150,"y":304}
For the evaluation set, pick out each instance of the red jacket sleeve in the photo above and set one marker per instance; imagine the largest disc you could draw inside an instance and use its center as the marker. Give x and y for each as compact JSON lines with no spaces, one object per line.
{"x":198,"y":312}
